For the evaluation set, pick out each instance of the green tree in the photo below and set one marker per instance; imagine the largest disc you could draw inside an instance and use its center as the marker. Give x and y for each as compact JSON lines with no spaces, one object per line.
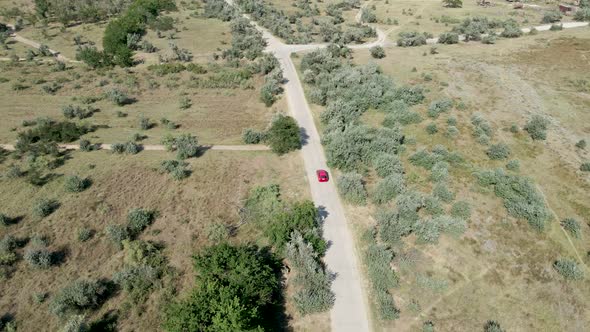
{"x":238,"y":287}
{"x":283,"y":135}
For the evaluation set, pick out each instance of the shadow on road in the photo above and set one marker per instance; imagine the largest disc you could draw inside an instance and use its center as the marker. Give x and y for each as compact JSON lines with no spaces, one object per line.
{"x":304,"y":136}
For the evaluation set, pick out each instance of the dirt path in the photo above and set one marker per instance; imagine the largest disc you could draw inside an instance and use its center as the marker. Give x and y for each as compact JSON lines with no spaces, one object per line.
{"x":148,"y":147}
{"x":36,"y":45}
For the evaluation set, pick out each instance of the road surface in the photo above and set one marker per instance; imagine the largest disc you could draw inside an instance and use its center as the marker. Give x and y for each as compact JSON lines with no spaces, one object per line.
{"x":350,"y":311}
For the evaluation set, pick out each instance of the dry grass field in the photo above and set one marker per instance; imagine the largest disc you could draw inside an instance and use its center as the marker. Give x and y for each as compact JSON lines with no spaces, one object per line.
{"x":212,"y":195}
{"x":217,"y":116}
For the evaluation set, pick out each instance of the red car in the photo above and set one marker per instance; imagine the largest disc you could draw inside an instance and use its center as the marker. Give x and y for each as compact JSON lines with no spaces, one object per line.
{"x":322,"y":175}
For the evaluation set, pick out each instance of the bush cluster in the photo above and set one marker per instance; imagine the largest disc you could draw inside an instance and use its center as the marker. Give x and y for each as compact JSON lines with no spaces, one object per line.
{"x":313,"y":283}
{"x":569,"y":269}
{"x":383,"y":277}
{"x":521,"y":198}
{"x":572,"y":226}
{"x":537,"y":127}
{"x":482,"y":130}
{"x":185,"y":145}
{"x":498,"y":151}
{"x":178,"y":169}
{"x":411,"y":38}
{"x":137,"y":220}
{"x":280,"y":219}
{"x":387,"y":164}
{"x":352,"y":188}
{"x":76,"y":184}
{"x":388,"y":188}
{"x":44,"y":207}
{"x":78,"y":296}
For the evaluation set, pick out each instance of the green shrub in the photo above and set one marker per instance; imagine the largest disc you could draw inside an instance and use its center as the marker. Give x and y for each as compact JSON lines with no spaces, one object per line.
{"x":386,"y":308}
{"x":44,"y":207}
{"x":537,"y":127}
{"x":438,"y":107}
{"x":461,"y":209}
{"x":556,"y":27}
{"x":118,"y":97}
{"x":582,"y":14}
{"x":313,"y":282}
{"x":76,"y":184}
{"x":585,"y":167}
{"x":137,"y":281}
{"x":117,"y":234}
{"x":581,"y":144}
{"x":427,"y":232}
{"x":408,"y":204}
{"x":440,"y":171}
{"x":442,"y":192}
{"x":145,"y":123}
{"x":431,"y":129}
{"x":569,"y":269}
{"x":521,"y":198}
{"x":482,"y":130}
{"x":492,"y":326}
{"x":84,"y":234}
{"x":391,"y":227}
{"x":5,"y":220}
{"x":433,"y":206}
{"x":377,"y":52}
{"x":551,"y":17}
{"x":511,"y":29}
{"x":388,"y":188}
{"x":86,"y":146}
{"x":8,"y":243}
{"x":284,"y":135}
{"x":176,"y":168}
{"x":513,"y":165}
{"x":138,"y":219}
{"x":7,"y":258}
{"x":185,"y":103}
{"x":381,"y":274}
{"x":217,"y":233}
{"x":78,"y":296}
{"x":411,"y":38}
{"x":39,"y":257}
{"x":428,"y":326}
{"x":185,"y":145}
{"x":387,"y":164}
{"x":352,"y":188}
{"x":453,"y":3}
{"x":448,"y":38}
{"x":132,"y":148}
{"x":572,"y":226}
{"x":250,"y":136}
{"x":76,"y":323}
{"x":498,"y":151}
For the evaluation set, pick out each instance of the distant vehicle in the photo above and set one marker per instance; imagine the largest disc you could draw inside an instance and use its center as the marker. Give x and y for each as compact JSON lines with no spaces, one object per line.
{"x":322,"y":175}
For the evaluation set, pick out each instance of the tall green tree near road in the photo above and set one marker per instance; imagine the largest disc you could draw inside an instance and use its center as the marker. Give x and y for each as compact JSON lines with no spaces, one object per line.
{"x":283,"y":135}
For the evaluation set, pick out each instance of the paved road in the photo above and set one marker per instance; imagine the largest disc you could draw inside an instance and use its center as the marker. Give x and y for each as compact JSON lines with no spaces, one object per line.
{"x":350,"y":311}
{"x":148,"y":147}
